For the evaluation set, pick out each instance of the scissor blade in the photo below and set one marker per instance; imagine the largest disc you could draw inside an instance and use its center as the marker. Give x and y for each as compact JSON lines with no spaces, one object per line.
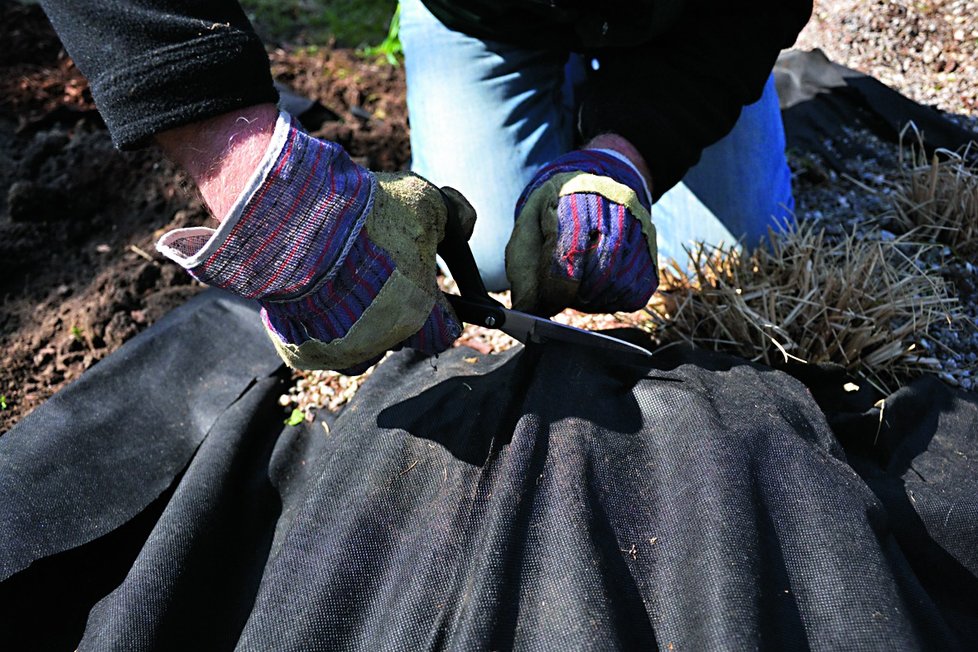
{"x":529,"y":328}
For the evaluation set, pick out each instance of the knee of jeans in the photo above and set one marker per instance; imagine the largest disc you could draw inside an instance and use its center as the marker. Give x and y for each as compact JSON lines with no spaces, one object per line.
{"x":413,"y":18}
{"x":488,"y":246}
{"x":770,"y":213}
{"x":492,"y":268}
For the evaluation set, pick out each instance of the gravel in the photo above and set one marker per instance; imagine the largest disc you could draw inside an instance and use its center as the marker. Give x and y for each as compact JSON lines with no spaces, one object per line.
{"x":926,"y":49}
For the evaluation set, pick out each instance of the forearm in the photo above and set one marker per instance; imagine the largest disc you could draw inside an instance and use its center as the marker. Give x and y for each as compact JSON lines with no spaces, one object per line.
{"x":624,"y":147}
{"x":158,"y":64}
{"x":222,"y":153}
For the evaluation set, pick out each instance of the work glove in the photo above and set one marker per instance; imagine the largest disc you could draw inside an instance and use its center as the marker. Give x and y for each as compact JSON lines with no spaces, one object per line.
{"x":583,"y":237}
{"x":341,"y":260}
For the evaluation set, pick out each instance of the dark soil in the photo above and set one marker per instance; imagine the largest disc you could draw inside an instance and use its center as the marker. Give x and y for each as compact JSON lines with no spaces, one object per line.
{"x":79,"y":274}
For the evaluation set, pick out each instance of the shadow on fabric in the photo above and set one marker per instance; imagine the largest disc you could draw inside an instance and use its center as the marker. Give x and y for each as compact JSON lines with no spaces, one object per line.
{"x":491,"y":405}
{"x":909,"y":463}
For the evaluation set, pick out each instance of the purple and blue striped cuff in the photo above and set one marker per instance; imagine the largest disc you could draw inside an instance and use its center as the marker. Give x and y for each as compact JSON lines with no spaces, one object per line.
{"x":601,"y":162}
{"x":292,"y":228}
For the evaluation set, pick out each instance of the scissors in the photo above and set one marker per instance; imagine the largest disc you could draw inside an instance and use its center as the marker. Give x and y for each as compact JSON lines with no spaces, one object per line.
{"x":474,"y":305}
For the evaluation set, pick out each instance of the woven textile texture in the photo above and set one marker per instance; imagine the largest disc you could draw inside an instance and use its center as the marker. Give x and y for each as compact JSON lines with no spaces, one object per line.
{"x":695,"y":502}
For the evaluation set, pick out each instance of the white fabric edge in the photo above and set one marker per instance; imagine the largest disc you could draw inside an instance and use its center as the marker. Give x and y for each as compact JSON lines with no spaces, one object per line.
{"x":165,"y":245}
{"x":624,"y":159}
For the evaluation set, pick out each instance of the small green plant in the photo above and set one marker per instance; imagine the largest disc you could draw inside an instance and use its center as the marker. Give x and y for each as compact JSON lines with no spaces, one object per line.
{"x":390,"y":47}
{"x":76,"y":333}
{"x":3,"y":402}
{"x":352,"y":23}
{"x":295,"y":418}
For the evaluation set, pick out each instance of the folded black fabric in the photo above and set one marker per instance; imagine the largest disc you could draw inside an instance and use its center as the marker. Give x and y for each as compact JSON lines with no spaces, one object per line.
{"x":545,"y":498}
{"x":85,"y":477}
{"x":821,"y":100}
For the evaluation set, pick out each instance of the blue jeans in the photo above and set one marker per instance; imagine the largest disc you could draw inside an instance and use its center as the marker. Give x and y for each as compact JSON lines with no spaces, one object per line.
{"x":486,"y":115}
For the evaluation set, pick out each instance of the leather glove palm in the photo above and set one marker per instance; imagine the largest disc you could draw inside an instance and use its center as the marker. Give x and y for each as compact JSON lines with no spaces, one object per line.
{"x":342,"y":261}
{"x":583,"y":238}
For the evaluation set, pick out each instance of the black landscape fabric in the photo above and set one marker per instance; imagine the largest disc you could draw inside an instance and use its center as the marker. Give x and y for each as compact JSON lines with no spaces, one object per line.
{"x":545,"y":498}
{"x":822,"y":102}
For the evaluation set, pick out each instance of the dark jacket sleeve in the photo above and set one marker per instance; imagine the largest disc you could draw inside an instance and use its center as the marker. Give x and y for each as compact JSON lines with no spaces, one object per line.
{"x":684,"y":89}
{"x":158,"y":64}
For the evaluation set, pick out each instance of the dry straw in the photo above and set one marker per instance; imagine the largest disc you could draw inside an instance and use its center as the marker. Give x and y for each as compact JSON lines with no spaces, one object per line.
{"x":938,"y":197}
{"x":866,"y":303}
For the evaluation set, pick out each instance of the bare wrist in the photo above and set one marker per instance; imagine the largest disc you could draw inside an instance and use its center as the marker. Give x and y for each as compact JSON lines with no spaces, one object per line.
{"x":221,"y":153}
{"x":624,"y":147}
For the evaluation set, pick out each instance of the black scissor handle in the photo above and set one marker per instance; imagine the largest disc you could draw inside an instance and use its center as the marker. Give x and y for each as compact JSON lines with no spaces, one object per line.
{"x":481,"y":313}
{"x":454,"y":250}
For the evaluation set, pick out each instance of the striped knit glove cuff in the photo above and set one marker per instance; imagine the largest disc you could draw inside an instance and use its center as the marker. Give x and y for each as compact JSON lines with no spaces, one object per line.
{"x":583,"y":237}
{"x":299,"y":241}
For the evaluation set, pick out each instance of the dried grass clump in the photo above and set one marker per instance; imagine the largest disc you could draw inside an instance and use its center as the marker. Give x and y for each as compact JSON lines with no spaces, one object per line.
{"x":939,"y":197}
{"x":863,"y":303}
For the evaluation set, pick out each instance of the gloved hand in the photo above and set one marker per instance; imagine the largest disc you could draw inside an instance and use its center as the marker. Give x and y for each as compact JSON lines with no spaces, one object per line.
{"x":583,"y":237}
{"x":342,"y":261}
